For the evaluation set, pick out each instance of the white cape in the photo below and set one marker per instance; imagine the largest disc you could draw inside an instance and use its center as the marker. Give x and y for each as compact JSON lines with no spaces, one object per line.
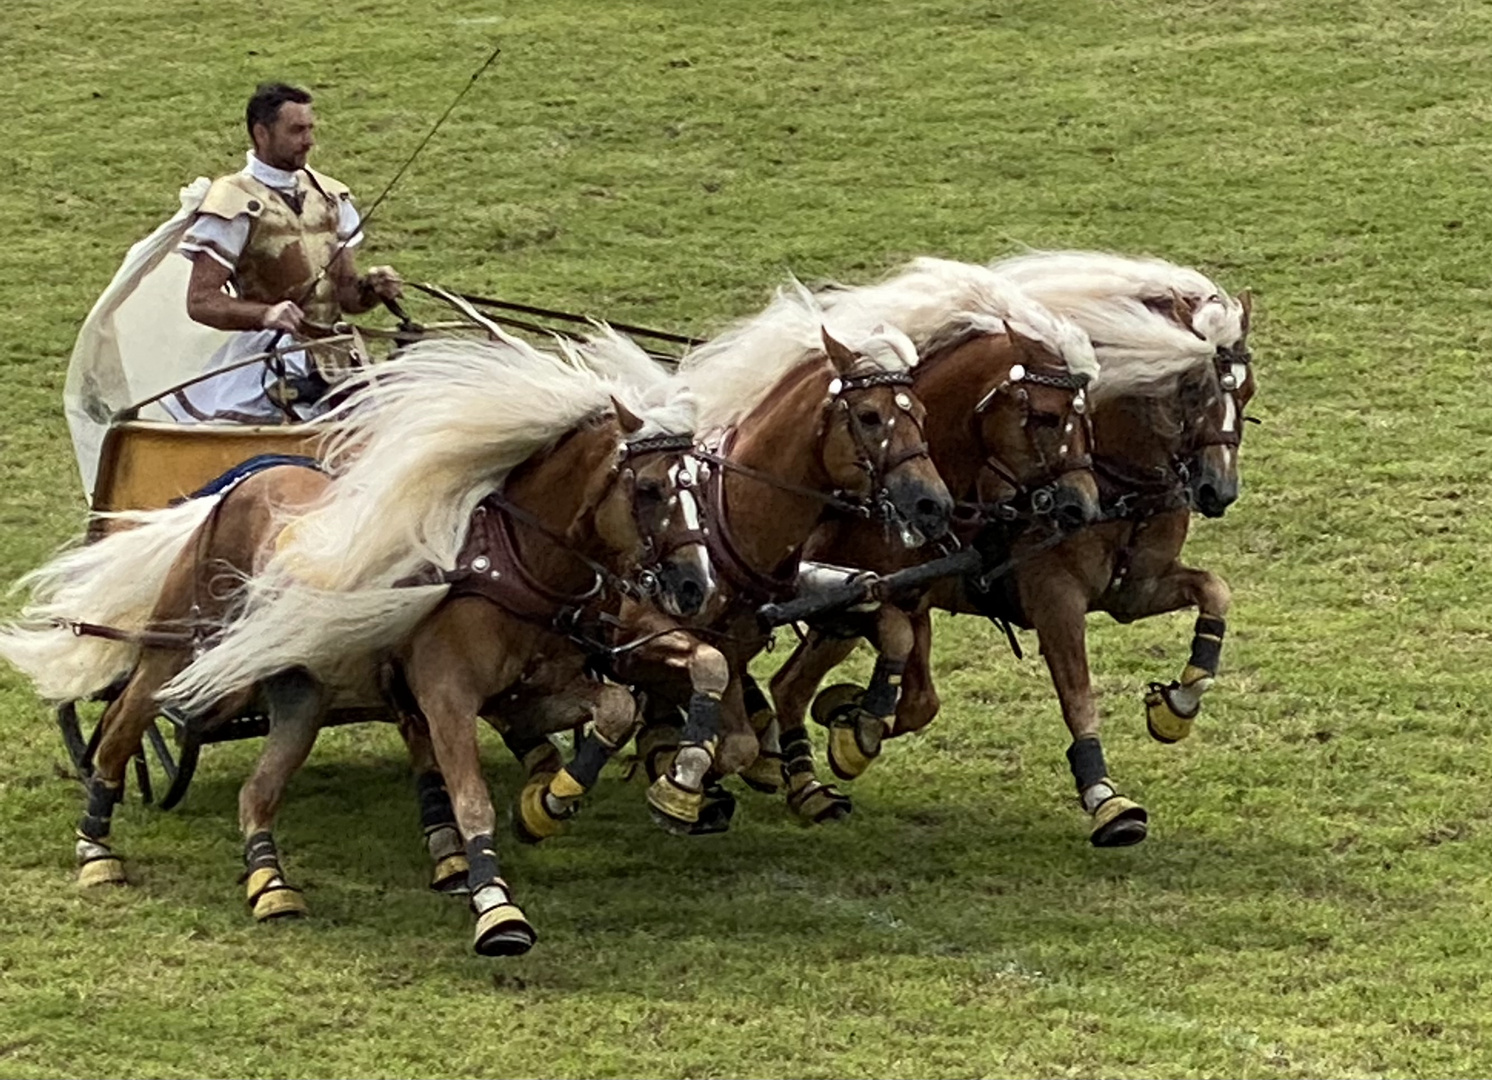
{"x":137,"y":340}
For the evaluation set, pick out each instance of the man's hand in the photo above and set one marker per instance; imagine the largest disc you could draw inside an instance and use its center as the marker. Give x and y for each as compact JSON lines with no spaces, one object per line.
{"x":285,"y":315}
{"x":384,"y":282}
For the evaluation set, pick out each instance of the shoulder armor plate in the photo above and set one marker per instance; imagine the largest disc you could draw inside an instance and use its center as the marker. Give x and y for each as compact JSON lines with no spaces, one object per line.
{"x":231,"y":196}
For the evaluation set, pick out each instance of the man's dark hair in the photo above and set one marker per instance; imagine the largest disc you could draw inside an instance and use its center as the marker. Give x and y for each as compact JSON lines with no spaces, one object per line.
{"x":264,"y":106}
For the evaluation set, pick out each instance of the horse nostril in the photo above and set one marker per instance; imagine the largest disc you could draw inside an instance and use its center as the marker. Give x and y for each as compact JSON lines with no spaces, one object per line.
{"x":691,"y":596}
{"x":930,"y":509}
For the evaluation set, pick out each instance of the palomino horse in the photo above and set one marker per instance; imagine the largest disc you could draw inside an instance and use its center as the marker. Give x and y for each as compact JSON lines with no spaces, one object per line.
{"x":1167,"y":414}
{"x":417,"y":455}
{"x":803,"y":426}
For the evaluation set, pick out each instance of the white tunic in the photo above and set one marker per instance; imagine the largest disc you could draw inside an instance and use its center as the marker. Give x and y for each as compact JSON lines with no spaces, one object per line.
{"x":242,"y":392}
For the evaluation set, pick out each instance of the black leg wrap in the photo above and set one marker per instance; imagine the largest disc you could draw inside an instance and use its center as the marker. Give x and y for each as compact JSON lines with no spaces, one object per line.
{"x":704,"y":719}
{"x":259,"y":851}
{"x":1207,"y":643}
{"x":880,"y":696}
{"x":591,"y":757}
{"x":435,"y":801}
{"x":755,"y":700}
{"x":98,"y":809}
{"x":1085,"y":756}
{"x":797,"y":752}
{"x":481,"y":856}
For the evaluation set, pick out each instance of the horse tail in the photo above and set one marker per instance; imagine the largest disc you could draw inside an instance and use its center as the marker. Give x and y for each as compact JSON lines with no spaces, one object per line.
{"x":114,"y":582}
{"x":285,"y":624}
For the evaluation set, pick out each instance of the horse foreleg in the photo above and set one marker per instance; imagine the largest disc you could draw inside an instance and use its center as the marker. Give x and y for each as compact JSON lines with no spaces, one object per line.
{"x":437,"y":817}
{"x":296,"y":704}
{"x":450,"y":683}
{"x":860,"y":720}
{"x":549,"y":799}
{"x":919,"y":704}
{"x":792,"y":689}
{"x":1171,"y":710}
{"x":1060,"y":618}
{"x":678,"y":795}
{"x":765,"y":771}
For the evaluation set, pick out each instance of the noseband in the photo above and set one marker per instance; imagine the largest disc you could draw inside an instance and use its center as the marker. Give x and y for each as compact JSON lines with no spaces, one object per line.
{"x":652,"y":549}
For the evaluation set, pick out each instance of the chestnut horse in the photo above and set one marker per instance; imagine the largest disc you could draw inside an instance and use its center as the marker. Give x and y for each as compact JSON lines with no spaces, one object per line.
{"x":1003,"y":380}
{"x":1167,"y":413}
{"x":325,"y":605}
{"x":802,"y":425}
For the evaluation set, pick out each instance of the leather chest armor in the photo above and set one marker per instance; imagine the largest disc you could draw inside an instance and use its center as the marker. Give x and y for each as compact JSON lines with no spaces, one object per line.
{"x":286,"y":249}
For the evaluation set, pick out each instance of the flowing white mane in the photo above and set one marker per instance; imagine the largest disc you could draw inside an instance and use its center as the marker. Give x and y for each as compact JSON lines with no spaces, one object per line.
{"x":417,"y":445}
{"x":732,"y":373}
{"x":933,"y":300}
{"x":1106,"y":294}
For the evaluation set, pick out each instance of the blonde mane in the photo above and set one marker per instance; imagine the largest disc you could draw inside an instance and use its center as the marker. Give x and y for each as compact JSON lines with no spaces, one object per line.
{"x":1138,"y":348}
{"x":732,"y":373}
{"x":935,"y":301}
{"x":416,"y":446}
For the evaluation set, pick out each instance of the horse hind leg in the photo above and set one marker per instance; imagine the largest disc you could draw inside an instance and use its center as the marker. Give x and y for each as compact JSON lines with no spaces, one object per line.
{"x":765,"y":773}
{"x":296,"y":704}
{"x":809,"y":799}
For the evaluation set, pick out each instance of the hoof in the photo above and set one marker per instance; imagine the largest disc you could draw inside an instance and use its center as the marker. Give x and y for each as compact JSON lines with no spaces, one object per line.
{"x":1165,"y":724}
{"x":280,"y":902}
{"x":816,"y":803}
{"x":450,"y":876}
{"x":532,"y":821}
{"x":833,"y":700}
{"x":1118,"y":822}
{"x":673,"y":808}
{"x":104,"y":870}
{"x":849,"y":754}
{"x":764,"y":774}
{"x":716,"y":812}
{"x":503,"y":931}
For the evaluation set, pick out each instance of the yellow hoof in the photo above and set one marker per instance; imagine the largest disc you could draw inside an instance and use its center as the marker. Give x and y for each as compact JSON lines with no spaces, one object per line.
{"x":535,"y":822}
{"x":108,"y":870}
{"x":834,"y":699}
{"x":504,"y":931}
{"x":673,"y":802}
{"x":1118,"y":822}
{"x":815,"y":803}
{"x":280,"y":902}
{"x":847,"y":757}
{"x":1165,"y":724}
{"x":449,"y":875}
{"x":764,"y":773}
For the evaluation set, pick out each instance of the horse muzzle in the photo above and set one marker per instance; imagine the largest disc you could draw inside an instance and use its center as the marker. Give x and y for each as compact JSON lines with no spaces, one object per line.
{"x":685,"y":581}
{"x":921,"y":505}
{"x":1212,"y":488}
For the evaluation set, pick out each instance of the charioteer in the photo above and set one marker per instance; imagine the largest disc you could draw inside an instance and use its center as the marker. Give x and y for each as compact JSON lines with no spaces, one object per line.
{"x":280,"y":236}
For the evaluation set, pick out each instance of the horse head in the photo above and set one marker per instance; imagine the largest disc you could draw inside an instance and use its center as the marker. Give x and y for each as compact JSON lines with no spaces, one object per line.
{"x":873,"y":447}
{"x":1034,"y":433}
{"x":649,"y":513}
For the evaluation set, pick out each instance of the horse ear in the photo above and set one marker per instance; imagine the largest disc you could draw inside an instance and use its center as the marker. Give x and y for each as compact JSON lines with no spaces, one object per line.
{"x":1182,"y":311}
{"x":630,"y":422}
{"x":839,"y":355}
{"x":1246,"y":300}
{"x":1022,"y":343}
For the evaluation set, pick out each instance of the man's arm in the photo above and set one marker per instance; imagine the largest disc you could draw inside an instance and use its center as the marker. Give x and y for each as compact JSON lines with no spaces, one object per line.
{"x":208,"y":304}
{"x":355,"y":294}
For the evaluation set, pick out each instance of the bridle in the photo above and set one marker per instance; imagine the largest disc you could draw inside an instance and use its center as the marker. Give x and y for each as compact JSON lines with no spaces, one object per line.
{"x":1034,"y":498}
{"x":875,"y":461}
{"x":653,"y":550}
{"x":1164,"y":488}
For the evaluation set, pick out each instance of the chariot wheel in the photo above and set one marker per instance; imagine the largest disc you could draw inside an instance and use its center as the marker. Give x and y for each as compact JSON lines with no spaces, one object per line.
{"x":175,"y":753}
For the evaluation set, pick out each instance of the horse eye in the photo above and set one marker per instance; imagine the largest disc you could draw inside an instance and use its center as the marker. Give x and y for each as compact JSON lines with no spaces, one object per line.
{"x":650,"y":490}
{"x":1044,"y":419}
{"x":869,"y":417}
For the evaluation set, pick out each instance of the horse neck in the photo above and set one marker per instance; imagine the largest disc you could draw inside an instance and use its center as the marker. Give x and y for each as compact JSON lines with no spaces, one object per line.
{"x":779,"y":438}
{"x":950,"y":383}
{"x":558,"y":488}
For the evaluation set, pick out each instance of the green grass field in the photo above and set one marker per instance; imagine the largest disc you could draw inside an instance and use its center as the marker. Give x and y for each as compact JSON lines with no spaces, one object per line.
{"x":1309,"y":902}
